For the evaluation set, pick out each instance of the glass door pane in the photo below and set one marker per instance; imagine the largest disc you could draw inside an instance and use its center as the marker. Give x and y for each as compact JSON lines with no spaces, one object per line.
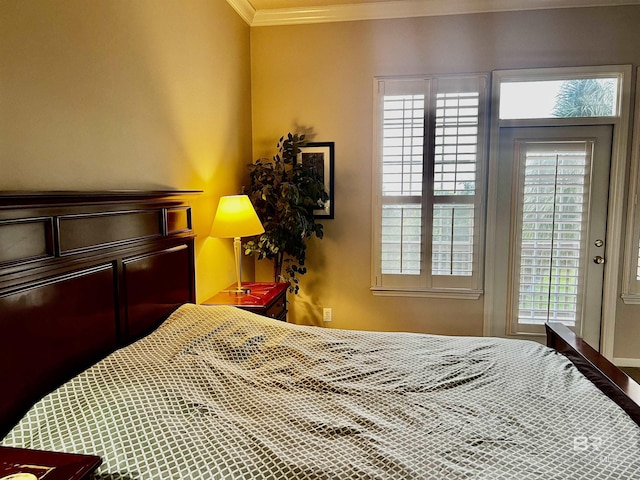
{"x":553,"y":202}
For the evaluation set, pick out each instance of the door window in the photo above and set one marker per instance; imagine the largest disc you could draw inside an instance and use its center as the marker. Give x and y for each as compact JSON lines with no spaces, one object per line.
{"x":553,"y":188}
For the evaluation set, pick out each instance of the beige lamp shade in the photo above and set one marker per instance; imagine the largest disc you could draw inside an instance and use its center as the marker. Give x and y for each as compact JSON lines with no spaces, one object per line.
{"x":235,"y":217}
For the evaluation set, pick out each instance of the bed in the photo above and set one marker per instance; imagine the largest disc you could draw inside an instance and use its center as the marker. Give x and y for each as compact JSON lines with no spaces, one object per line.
{"x":194,"y":392}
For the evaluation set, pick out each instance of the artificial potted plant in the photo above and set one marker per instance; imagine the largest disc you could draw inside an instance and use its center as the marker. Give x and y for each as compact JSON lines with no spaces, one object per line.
{"x":285,"y":192}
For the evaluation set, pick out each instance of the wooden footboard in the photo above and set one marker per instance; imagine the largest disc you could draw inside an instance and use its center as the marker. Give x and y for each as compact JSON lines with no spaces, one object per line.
{"x":617,"y":385}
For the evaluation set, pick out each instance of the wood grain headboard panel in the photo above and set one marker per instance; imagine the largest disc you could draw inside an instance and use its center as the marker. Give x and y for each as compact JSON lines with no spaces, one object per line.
{"x":40,"y":323}
{"x":147,"y":301}
{"x":82,"y":274}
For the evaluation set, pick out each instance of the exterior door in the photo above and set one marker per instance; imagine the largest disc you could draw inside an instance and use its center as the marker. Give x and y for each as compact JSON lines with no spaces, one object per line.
{"x":553,"y":210}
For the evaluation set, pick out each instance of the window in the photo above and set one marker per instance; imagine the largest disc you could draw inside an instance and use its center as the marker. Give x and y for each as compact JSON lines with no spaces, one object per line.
{"x":428,"y":185}
{"x":573,"y":97}
{"x":553,"y":197}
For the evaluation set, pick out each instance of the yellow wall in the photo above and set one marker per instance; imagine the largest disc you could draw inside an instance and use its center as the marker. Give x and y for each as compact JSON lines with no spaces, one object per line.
{"x":320,"y":77}
{"x":144,"y":94}
{"x":149,"y":94}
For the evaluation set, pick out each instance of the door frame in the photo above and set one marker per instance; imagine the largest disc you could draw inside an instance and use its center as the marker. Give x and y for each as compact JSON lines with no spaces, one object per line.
{"x":596,"y":140}
{"x":617,"y":182}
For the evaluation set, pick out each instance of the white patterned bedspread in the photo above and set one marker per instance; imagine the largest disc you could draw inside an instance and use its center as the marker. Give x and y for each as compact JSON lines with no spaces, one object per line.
{"x":218,"y":393}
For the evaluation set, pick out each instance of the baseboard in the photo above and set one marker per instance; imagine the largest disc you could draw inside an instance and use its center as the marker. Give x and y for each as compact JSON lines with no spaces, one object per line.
{"x":626,"y":362}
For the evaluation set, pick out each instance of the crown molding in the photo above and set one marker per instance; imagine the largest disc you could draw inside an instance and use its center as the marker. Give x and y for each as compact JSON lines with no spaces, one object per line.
{"x":401,"y":9}
{"x":244,"y":9}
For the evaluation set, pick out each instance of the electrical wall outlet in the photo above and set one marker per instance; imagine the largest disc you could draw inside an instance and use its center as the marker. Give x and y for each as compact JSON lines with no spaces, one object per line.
{"x":327,"y":315}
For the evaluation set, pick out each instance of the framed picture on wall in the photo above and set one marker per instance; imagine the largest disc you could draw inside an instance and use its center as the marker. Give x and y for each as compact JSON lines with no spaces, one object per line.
{"x":319,"y":155}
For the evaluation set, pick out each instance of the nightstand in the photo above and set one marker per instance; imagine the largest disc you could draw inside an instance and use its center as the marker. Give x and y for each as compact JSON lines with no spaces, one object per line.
{"x":50,"y":465}
{"x":265,"y":298}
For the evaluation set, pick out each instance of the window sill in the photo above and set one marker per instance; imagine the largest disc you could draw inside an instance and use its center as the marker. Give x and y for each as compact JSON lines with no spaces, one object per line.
{"x":631,"y":298}
{"x":431,"y":293}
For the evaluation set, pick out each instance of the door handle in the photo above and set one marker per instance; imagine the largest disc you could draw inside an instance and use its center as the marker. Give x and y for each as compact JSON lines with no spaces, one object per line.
{"x":598,"y":259}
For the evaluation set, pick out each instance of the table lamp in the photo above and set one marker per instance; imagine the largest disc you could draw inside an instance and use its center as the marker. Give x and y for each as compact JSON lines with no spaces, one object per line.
{"x":235,"y":218}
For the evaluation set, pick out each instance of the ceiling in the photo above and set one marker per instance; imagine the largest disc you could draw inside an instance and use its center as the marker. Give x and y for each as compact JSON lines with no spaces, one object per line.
{"x":288,"y":12}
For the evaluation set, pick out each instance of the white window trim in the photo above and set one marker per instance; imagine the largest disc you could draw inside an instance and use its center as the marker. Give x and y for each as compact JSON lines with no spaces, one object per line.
{"x":493,"y":324}
{"x":473,"y":292}
{"x":630,"y":284}
{"x":431,"y":293}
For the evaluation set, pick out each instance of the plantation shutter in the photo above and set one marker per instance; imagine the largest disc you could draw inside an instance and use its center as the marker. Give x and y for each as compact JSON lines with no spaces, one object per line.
{"x":430,"y":182}
{"x":454,"y":179}
{"x":403,"y":126}
{"x":554,"y":190}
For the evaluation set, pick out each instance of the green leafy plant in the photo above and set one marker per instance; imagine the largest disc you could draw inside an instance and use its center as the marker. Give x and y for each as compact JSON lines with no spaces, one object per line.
{"x":284,"y":191}
{"x":585,"y":98}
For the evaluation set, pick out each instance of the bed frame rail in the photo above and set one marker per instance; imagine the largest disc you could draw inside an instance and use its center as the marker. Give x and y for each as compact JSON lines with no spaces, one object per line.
{"x":613,"y":382}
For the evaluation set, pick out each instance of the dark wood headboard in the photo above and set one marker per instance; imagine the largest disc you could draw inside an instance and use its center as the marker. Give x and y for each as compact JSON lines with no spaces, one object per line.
{"x":82,"y":274}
